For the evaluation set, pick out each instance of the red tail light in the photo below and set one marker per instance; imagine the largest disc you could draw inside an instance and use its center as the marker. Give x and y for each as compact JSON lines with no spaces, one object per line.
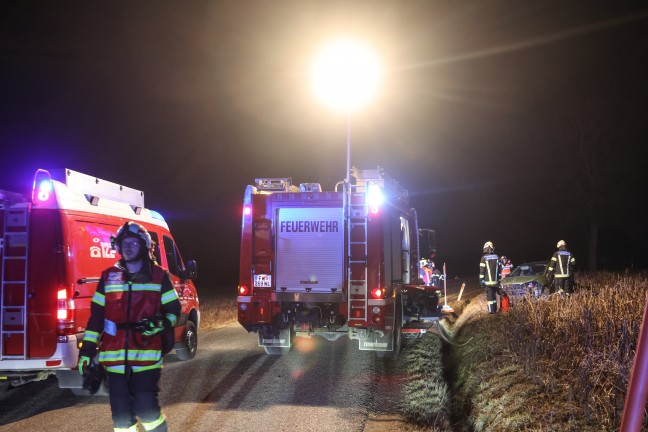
{"x":243,"y":290}
{"x":65,"y":313}
{"x":377,"y":293}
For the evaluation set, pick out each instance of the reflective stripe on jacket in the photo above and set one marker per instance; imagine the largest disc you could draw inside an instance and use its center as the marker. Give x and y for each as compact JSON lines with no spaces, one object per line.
{"x":561,"y":264}
{"x":489,"y":269}
{"x":119,"y":303}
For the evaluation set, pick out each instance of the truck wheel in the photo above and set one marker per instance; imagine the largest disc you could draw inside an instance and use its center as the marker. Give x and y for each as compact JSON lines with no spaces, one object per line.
{"x":396,"y":336}
{"x":5,"y":387}
{"x":189,"y":344}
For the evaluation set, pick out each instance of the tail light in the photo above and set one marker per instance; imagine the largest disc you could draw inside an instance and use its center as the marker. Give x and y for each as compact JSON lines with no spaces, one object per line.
{"x":243,"y":290}
{"x":377,"y":293}
{"x":65,"y":313}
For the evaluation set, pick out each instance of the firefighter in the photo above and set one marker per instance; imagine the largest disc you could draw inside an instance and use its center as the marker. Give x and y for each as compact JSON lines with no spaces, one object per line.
{"x":425,"y":272}
{"x":561,"y":269}
{"x":506,"y":266}
{"x":133,"y":305}
{"x":489,"y":275}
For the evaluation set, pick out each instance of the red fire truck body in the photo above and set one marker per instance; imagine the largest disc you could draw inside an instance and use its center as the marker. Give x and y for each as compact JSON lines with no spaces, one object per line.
{"x":55,"y":244}
{"x":332,"y":264}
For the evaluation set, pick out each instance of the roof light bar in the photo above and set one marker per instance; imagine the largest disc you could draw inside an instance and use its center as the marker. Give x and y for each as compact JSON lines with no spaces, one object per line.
{"x":42,"y":188}
{"x":374,"y":196}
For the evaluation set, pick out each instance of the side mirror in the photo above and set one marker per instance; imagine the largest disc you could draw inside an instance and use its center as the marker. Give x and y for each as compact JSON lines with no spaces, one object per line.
{"x":192,"y":270}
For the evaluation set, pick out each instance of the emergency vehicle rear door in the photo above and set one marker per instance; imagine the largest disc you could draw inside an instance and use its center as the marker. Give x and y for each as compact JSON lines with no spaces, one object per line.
{"x":310,"y":250}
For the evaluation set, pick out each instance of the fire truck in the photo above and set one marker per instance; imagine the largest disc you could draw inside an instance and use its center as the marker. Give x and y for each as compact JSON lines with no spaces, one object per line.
{"x":55,"y":244}
{"x":333,"y":264}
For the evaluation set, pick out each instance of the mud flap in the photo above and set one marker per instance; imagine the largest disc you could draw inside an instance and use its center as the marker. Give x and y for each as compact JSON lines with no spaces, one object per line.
{"x":280,"y":340}
{"x":374,"y":342}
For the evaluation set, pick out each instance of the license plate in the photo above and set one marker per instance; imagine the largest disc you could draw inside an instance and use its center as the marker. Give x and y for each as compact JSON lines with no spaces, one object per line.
{"x":262,"y":281}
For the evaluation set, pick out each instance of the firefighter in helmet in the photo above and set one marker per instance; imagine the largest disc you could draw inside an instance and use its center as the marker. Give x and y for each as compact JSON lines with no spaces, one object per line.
{"x":506,"y":266}
{"x":561,"y":269}
{"x":134,"y":304}
{"x":489,"y":275}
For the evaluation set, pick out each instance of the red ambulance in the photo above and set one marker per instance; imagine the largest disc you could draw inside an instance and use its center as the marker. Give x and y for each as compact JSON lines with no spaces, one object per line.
{"x":55,"y":244}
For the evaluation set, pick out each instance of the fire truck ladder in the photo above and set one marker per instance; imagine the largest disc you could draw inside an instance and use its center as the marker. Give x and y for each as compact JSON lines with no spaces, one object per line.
{"x":13,"y":292}
{"x":357,"y":213}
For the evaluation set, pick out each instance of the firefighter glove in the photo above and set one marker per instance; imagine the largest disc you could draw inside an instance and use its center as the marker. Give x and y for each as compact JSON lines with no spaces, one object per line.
{"x":84,"y":362}
{"x":153,"y":327}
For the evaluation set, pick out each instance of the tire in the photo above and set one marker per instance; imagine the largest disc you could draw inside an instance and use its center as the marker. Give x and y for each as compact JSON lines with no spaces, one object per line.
{"x":276,"y":350}
{"x":5,"y":388}
{"x":186,"y":349}
{"x":396,"y":336}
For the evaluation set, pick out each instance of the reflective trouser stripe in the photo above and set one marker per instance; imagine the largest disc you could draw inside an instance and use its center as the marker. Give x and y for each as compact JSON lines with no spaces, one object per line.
{"x":492,"y":306}
{"x":155,"y":423}
{"x":128,"y":429}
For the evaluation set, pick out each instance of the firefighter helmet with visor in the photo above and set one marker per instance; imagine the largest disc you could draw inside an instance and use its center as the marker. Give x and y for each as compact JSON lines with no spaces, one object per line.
{"x":489,"y":247}
{"x":132,"y":229}
{"x":561,"y":243}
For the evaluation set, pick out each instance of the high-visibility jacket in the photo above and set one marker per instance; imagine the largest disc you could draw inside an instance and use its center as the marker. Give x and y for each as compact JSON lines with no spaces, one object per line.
{"x":562,"y":264}
{"x":489,"y":270}
{"x":120,"y":302}
{"x":506,"y":270}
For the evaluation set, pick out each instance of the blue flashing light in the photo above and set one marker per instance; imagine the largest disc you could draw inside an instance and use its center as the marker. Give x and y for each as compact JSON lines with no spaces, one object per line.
{"x":374,"y":196}
{"x":156,"y":215}
{"x":42,"y":188}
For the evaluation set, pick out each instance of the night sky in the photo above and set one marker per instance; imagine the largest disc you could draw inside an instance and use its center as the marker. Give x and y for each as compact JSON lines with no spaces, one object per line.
{"x":519,"y":122}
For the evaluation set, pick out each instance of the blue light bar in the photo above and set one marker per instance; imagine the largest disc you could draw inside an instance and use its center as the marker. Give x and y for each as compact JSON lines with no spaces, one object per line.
{"x":156,"y":215}
{"x":374,"y":196}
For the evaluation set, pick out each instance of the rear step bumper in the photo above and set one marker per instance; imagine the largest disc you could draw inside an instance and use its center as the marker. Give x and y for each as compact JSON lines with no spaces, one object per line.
{"x":65,"y":357}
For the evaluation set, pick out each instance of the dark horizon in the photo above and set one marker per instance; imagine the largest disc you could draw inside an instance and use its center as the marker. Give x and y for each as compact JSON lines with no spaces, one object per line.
{"x":521,"y":124}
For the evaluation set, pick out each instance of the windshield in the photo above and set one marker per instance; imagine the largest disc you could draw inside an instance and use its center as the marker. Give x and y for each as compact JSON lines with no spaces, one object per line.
{"x":531,"y":269}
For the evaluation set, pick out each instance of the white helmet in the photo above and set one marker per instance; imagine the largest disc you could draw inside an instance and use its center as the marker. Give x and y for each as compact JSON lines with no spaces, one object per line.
{"x":561,"y":243}
{"x":489,"y":245}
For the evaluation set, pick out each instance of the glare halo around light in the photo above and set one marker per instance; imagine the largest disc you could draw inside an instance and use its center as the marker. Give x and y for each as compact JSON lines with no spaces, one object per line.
{"x":346,"y":75}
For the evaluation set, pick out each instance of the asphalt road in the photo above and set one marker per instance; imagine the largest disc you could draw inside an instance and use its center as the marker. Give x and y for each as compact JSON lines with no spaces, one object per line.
{"x":232,"y":385}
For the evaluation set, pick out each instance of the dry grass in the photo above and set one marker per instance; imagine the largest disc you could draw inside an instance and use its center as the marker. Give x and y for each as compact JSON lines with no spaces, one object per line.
{"x":427,"y":400}
{"x":554,"y":364}
{"x":559,"y":364}
{"x":216,"y":312}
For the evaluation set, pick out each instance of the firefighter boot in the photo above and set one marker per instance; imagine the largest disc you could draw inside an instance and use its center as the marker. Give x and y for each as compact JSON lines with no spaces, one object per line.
{"x":492,"y":306}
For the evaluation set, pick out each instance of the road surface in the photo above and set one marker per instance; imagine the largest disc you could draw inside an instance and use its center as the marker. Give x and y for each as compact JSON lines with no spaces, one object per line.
{"x":232,"y":385}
